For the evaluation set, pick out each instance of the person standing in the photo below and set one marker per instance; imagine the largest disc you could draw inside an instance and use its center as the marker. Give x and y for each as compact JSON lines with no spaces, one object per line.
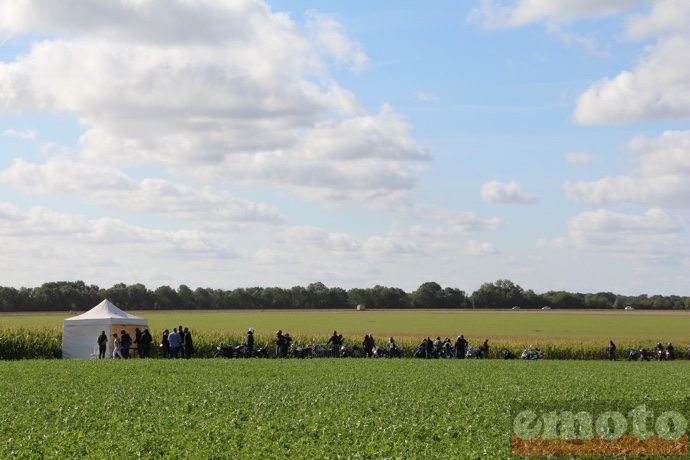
{"x":280,"y":343}
{"x":165,"y":344}
{"x":336,"y":341}
{"x":286,"y":345}
{"x":146,"y":340}
{"x":137,"y":342}
{"x":102,"y":342}
{"x":117,"y":346}
{"x":188,"y":344}
{"x":250,"y":341}
{"x":612,"y":351}
{"x":460,"y":347}
{"x":126,"y":340}
{"x":175,"y":342}
{"x":392,"y":348}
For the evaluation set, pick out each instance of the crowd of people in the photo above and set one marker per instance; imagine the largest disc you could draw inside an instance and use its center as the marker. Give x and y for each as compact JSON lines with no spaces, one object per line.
{"x":283,"y":345}
{"x":173,"y":345}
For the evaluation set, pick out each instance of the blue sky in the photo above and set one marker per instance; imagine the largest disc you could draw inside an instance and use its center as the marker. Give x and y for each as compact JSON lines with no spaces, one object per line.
{"x":242,"y":143}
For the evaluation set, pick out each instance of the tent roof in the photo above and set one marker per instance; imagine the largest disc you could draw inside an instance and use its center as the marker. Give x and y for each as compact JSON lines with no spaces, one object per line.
{"x":105,"y":312}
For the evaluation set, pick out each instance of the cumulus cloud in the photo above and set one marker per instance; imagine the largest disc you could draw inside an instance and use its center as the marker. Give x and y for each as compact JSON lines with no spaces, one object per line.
{"x":494,"y":14}
{"x":510,"y":193}
{"x":108,"y":187}
{"x":330,"y":36}
{"x":27,"y":134}
{"x":661,"y":176}
{"x":665,"y":16}
{"x":657,"y":89}
{"x":655,"y":236}
{"x":247,"y":98}
{"x":579,"y":158}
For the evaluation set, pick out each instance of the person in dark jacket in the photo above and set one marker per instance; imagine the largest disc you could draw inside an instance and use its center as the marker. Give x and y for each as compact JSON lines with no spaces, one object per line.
{"x":612,"y":351}
{"x":146,"y":339}
{"x":188,"y":344}
{"x":250,"y":340}
{"x":336,"y":341}
{"x":286,"y":345}
{"x":280,"y":343}
{"x":137,"y":342}
{"x":460,"y":347}
{"x":102,"y":342}
{"x":126,"y":342}
{"x":429,"y":348}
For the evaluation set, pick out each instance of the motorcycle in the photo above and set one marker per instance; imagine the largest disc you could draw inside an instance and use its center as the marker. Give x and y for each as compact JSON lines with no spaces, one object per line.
{"x":349,"y":352}
{"x":531,"y":355}
{"x":240,"y":351}
{"x":474,"y":353}
{"x":660,"y":354}
{"x":644,"y":356}
{"x":226,"y":351}
{"x":396,"y":352}
{"x":633,"y":355}
{"x":420,"y":351}
{"x":507,"y":354}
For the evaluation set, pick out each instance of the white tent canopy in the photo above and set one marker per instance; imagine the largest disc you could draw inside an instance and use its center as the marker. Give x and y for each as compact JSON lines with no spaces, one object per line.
{"x":79,"y":333}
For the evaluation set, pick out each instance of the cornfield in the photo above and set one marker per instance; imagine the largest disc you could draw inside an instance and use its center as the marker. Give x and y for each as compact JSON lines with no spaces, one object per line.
{"x":46,"y":343}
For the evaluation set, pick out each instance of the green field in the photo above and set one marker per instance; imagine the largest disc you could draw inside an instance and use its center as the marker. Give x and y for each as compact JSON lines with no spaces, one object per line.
{"x":537,"y":325}
{"x":299,"y":409}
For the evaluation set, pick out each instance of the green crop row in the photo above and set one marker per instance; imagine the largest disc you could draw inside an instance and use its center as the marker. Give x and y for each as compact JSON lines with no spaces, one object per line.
{"x":46,"y":343}
{"x":326,"y":409}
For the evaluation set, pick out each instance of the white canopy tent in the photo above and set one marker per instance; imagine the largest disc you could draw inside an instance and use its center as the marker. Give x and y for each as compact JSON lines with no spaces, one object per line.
{"x":79,"y":333}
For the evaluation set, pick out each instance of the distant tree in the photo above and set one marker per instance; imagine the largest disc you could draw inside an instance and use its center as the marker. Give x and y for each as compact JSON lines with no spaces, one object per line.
{"x":166,"y":298}
{"x":500,"y":294}
{"x":203,"y":299}
{"x":186,"y":297}
{"x":428,"y":295}
{"x":140,"y":297}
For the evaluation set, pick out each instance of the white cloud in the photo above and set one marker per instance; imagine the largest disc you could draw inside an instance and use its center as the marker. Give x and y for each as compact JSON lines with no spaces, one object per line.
{"x":662,"y":176}
{"x":248,"y":99}
{"x":425,"y":97}
{"x":580,"y":158}
{"x":511,"y":193}
{"x":657,"y":89}
{"x":655,"y":236}
{"x":494,"y":14}
{"x":475,"y":248}
{"x":27,"y":134}
{"x":330,"y":36}
{"x":108,"y":187}
{"x":666,"y":16}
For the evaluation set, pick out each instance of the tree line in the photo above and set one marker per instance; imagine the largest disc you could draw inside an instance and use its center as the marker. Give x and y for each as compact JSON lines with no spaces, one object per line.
{"x":501,"y":294}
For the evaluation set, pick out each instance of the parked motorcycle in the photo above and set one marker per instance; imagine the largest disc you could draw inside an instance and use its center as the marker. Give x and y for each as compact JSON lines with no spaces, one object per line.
{"x":420,"y":352}
{"x":644,"y":354}
{"x":349,"y":352}
{"x":529,"y":354}
{"x":507,"y":354}
{"x":240,"y":351}
{"x":474,"y":353}
{"x":633,"y":355}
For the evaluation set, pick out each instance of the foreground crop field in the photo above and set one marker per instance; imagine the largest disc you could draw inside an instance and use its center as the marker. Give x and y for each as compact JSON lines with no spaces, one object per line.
{"x":296,"y":409}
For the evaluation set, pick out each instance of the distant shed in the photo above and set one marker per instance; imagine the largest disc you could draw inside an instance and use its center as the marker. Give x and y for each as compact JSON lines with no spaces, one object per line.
{"x":361,"y":307}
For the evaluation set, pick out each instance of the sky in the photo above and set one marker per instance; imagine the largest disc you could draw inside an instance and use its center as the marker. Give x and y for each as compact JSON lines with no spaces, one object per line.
{"x":241,"y":143}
